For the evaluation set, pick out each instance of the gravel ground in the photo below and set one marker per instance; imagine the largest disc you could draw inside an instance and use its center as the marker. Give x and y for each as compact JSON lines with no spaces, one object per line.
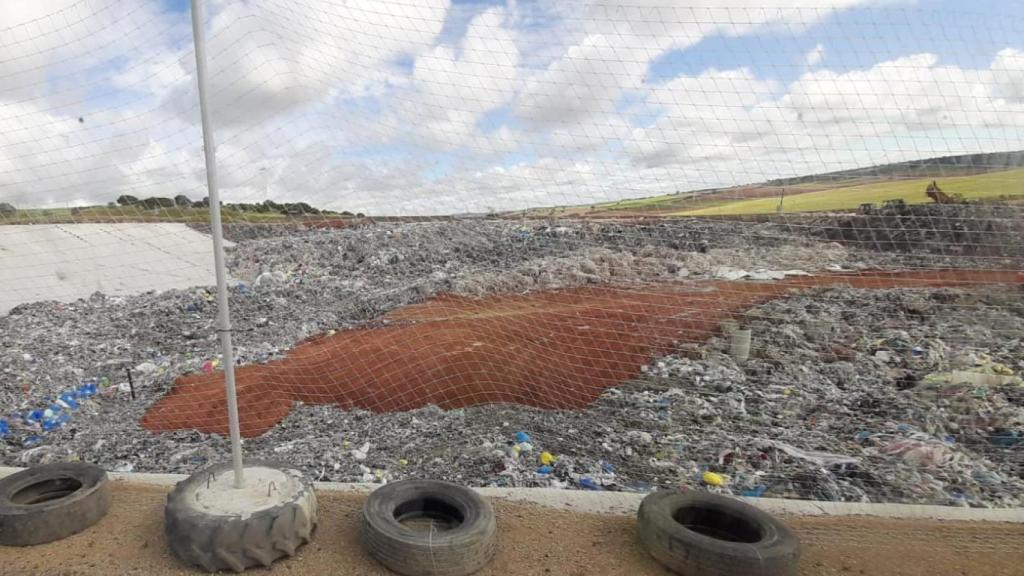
{"x":843,"y":398}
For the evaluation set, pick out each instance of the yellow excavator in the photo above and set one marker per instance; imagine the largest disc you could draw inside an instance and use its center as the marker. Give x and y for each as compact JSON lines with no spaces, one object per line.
{"x":939,"y":197}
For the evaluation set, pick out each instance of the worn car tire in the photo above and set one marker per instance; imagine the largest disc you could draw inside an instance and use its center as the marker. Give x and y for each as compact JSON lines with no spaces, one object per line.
{"x":51,"y":502}
{"x":466,"y":546}
{"x":705,"y":534}
{"x":218,"y":540}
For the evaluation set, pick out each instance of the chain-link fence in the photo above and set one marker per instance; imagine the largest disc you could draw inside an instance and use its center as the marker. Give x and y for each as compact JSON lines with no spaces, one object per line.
{"x":761,"y":250}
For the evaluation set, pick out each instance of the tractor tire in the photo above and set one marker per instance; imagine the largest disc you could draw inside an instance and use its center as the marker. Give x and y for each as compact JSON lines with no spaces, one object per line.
{"x":704,"y":534}
{"x":51,"y":502}
{"x":458,"y":535}
{"x":215,"y":526}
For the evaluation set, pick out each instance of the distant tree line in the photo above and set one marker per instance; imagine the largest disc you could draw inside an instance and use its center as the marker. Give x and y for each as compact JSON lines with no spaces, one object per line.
{"x":265,"y":207}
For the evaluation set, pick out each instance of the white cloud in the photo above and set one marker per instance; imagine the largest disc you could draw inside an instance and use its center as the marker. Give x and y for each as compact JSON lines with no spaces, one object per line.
{"x":703,"y":117}
{"x":67,"y":131}
{"x":815,"y":55}
{"x":1008,"y":75}
{"x":268,"y":58}
{"x":827,"y":120}
{"x":371,"y":106}
{"x":452,"y":86}
{"x":620,"y":40}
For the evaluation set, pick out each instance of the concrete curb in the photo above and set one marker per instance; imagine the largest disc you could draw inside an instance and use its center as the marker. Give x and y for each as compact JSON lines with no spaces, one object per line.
{"x":626,"y":503}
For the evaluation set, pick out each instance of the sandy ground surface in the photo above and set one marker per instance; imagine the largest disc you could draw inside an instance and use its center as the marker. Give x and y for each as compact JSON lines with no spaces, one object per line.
{"x":534,"y":540}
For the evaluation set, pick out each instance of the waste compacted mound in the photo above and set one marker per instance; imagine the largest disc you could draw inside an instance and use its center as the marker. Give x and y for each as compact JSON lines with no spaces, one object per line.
{"x":556,"y":349}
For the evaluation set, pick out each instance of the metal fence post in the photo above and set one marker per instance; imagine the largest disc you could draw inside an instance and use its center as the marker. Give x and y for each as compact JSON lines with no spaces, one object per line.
{"x":216,"y":229}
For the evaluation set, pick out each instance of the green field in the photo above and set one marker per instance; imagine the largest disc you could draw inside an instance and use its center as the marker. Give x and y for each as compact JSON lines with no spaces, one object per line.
{"x":994,"y":185}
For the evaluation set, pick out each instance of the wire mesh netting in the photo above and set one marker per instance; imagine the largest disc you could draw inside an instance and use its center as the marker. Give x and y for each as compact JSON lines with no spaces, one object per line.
{"x":756,"y":249}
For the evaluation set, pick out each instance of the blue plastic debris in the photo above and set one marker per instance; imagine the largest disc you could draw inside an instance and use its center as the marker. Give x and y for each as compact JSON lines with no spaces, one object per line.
{"x":607,"y":467}
{"x":31,"y":441}
{"x":55,"y":419}
{"x":756,"y":491}
{"x":1005,"y":439}
{"x":522,"y":437}
{"x":34,"y":416}
{"x":545,"y":469}
{"x":862,"y":435}
{"x":87,"y":390}
{"x":5,"y":429}
{"x":68,"y":399}
{"x":588,"y":484}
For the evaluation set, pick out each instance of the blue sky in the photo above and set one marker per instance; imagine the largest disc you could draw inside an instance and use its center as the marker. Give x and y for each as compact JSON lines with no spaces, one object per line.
{"x":859,"y":38}
{"x":427,"y":107}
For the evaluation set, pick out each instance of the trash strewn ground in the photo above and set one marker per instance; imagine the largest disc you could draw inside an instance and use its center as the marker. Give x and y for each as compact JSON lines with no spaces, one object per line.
{"x":849,"y":394}
{"x":547,"y":349}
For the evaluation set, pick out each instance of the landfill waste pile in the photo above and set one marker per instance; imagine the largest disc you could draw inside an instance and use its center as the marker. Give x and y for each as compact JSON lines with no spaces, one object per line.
{"x":989,"y":230}
{"x":881,"y":395}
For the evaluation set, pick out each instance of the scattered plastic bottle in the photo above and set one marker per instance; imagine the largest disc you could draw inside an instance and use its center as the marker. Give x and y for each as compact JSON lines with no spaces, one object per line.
{"x":5,"y":429}
{"x":34,"y":416}
{"x":89,"y":389}
{"x":68,"y":399}
{"x":54,"y":418}
{"x":522,"y":437}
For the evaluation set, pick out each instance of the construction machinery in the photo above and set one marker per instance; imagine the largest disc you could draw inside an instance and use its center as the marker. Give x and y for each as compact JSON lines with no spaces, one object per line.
{"x":938,"y":196}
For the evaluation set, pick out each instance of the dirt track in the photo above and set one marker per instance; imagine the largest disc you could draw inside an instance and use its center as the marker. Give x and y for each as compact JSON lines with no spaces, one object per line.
{"x":533,"y":541}
{"x":556,"y":349}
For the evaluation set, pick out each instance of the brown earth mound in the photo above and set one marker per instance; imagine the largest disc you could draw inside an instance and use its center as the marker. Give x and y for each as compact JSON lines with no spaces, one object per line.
{"x":557,"y":349}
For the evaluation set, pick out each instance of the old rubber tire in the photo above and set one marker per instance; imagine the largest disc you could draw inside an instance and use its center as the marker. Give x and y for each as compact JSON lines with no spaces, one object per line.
{"x":465,"y":543}
{"x":705,"y":534}
{"x":51,"y":502}
{"x":216,"y":536}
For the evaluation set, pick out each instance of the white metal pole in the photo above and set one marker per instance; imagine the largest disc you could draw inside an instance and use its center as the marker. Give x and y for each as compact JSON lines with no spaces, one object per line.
{"x":223,"y":316}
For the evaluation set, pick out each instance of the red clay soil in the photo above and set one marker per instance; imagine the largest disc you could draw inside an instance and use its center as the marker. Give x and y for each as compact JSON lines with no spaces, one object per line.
{"x":557,"y":349}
